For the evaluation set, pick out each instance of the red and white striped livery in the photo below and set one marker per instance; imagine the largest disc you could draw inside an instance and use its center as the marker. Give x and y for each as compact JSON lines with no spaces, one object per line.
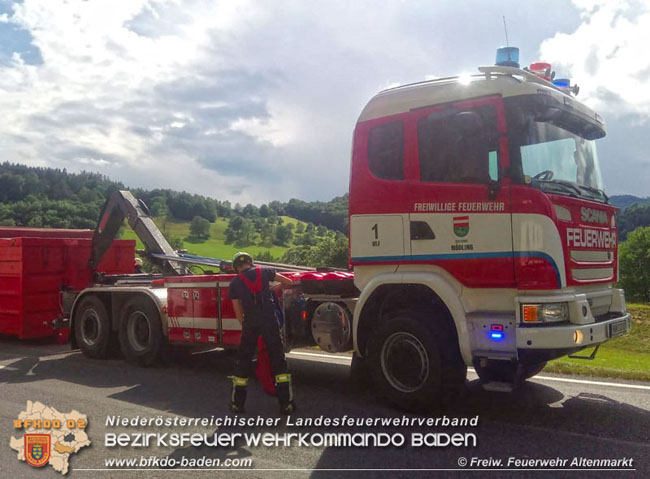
{"x":477,"y":215}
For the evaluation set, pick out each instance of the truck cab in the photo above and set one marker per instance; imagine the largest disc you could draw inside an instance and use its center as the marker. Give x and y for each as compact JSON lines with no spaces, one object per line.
{"x":480,"y":234}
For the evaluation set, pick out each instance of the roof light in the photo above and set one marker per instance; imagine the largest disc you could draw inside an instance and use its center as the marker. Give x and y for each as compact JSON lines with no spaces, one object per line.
{"x":542,"y":70}
{"x":507,"y":57}
{"x":563,"y":82}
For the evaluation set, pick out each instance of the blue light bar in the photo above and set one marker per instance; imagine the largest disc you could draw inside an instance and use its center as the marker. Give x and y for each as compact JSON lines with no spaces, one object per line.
{"x":508,"y":57}
{"x":496,"y":335}
{"x":565,"y":82}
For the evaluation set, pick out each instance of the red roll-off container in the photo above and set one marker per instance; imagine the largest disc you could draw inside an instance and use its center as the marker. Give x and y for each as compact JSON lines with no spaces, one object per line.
{"x":33,"y":271}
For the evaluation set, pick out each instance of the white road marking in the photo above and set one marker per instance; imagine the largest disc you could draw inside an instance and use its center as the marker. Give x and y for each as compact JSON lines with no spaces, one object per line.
{"x":542,"y":378}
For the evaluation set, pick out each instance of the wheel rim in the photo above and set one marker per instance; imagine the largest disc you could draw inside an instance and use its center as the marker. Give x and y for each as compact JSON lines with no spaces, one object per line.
{"x":405,"y":362}
{"x":91,"y":327}
{"x":139,"y":331}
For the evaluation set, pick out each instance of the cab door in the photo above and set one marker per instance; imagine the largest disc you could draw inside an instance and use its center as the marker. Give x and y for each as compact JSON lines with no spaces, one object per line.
{"x":460,"y":211}
{"x":379,"y":194}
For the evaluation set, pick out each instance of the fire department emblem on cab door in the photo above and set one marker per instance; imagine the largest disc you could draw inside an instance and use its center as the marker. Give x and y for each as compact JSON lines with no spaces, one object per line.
{"x":461,"y":226}
{"x":37,"y":449}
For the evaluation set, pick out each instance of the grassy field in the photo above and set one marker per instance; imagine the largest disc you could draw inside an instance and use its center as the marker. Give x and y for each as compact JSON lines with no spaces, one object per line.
{"x":214,"y":246}
{"x":627,"y":357}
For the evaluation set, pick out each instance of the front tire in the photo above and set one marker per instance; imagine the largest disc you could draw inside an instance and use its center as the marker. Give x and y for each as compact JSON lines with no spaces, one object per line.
{"x":92,"y":328}
{"x":141,"y":337}
{"x":415,"y":360}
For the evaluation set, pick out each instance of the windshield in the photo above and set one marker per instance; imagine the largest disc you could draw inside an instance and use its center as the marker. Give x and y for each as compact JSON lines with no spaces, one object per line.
{"x":555,"y":159}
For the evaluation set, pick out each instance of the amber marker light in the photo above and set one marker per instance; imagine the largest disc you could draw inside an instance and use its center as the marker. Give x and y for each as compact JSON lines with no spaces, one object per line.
{"x":530,"y":313}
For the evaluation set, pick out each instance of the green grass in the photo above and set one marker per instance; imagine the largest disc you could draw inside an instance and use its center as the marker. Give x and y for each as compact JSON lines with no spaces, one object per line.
{"x":627,"y":357}
{"x":214,"y":246}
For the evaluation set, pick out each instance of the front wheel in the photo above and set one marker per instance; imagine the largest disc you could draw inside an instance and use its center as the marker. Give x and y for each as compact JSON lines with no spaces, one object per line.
{"x":141,"y":337}
{"x":415,"y":361}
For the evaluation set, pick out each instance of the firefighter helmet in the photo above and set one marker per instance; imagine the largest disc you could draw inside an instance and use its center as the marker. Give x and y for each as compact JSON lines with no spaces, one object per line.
{"x":240,"y":259}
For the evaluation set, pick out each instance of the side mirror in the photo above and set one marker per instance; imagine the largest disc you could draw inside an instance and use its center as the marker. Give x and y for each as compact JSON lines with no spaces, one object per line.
{"x":493,"y":189}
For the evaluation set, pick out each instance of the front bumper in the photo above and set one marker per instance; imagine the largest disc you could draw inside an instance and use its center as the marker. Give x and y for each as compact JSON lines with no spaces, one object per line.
{"x":572,"y":336}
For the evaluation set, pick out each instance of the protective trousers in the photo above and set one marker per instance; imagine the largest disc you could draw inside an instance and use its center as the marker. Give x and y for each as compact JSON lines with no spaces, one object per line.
{"x":268,"y":328}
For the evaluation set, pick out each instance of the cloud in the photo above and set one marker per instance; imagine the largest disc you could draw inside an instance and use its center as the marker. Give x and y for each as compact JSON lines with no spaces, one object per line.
{"x":607,"y":56}
{"x":246,"y":100}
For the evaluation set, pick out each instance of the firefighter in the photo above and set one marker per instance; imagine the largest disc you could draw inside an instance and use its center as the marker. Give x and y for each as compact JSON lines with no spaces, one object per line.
{"x":137,"y":266}
{"x":255,"y":310}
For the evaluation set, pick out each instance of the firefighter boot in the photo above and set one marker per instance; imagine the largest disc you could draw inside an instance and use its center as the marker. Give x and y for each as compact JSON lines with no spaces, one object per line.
{"x":238,"y":398}
{"x":285,"y":393}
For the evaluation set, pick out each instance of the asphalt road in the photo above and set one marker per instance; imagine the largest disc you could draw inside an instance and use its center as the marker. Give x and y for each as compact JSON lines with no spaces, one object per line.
{"x":547,"y":418}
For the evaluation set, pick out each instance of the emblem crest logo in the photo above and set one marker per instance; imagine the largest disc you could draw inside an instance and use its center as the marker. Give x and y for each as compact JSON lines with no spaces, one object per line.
{"x":37,"y":449}
{"x":461,"y":226}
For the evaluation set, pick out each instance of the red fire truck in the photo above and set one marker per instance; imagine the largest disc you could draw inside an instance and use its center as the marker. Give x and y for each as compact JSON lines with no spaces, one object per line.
{"x":479,"y":236}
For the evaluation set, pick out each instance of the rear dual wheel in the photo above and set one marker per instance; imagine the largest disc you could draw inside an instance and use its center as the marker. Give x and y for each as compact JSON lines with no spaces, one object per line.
{"x":141,"y":337}
{"x":92,"y":328}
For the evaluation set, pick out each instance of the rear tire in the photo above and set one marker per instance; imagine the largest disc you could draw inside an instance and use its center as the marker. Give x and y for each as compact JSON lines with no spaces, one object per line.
{"x":141,"y":337}
{"x":415,"y":360}
{"x":92,"y":328}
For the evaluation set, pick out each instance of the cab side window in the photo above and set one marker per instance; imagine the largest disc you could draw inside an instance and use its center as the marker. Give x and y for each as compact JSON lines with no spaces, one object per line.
{"x":386,"y":150}
{"x":459,"y":146}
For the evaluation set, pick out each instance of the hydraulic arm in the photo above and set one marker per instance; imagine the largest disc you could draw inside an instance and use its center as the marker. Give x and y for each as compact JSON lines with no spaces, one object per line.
{"x":122,"y":204}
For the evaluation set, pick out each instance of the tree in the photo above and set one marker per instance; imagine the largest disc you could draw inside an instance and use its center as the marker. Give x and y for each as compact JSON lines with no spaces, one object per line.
{"x":283,"y":235}
{"x":632,"y":217}
{"x":328,"y":252}
{"x":267,"y":233}
{"x":250,"y":210}
{"x":240,"y":231}
{"x":11,"y":187}
{"x":158,"y":206}
{"x":634,"y":263}
{"x":200,"y":227}
{"x":265,"y":256}
{"x":300,"y":228}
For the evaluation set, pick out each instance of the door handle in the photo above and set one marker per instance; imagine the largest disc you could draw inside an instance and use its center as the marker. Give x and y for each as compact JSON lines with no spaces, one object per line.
{"x":420,"y":230}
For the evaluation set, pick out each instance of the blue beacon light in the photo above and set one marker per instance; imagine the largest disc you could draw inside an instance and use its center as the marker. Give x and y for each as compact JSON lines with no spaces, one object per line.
{"x":507,"y":57}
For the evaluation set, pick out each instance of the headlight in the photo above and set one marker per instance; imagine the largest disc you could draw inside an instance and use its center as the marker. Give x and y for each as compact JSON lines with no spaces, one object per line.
{"x":544,"y":313}
{"x":554,"y":312}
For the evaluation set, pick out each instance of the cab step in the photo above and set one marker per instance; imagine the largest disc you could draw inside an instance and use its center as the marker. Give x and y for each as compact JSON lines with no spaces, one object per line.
{"x":498,"y":386}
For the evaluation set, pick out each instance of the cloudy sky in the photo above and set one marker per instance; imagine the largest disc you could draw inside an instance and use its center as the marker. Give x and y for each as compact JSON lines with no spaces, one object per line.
{"x":257,"y":100}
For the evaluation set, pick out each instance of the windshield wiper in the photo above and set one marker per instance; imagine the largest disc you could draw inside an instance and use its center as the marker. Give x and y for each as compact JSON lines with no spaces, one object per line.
{"x":595,"y":190}
{"x":568,"y":186}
